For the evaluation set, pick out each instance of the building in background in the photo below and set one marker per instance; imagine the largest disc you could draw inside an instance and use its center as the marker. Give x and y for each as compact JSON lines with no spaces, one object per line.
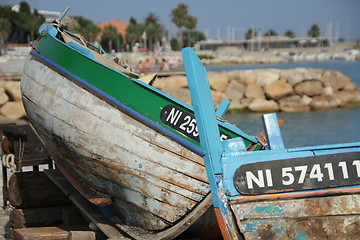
{"x":120,"y":26}
{"x":48,"y":15}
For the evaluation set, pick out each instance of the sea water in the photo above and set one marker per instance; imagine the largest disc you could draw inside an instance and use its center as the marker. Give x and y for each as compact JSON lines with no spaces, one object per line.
{"x":340,"y":125}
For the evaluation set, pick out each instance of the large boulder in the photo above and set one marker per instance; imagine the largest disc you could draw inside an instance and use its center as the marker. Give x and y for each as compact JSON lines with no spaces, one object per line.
{"x":218,"y":97}
{"x":324,"y":102}
{"x":263,"y":105}
{"x":310,"y":88}
{"x":348,"y":97}
{"x":12,"y":88}
{"x":335,"y":79}
{"x":13,"y":110}
{"x":3,"y":96}
{"x":245,"y":77}
{"x":267,"y":76}
{"x":235,"y":90}
{"x":278,"y":90}
{"x":183,"y":94}
{"x":218,"y":80}
{"x":294,"y":103}
{"x":176,"y":81}
{"x":254,"y":91}
{"x":298,"y":75}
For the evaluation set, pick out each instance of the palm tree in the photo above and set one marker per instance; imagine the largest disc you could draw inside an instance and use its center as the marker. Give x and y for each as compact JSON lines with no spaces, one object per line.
{"x":251,"y":32}
{"x":190,"y":24}
{"x":314,"y":31}
{"x":34,"y":24}
{"x":289,"y":34}
{"x":109,"y":35}
{"x":152,"y":28}
{"x":178,"y":17}
{"x":134,"y":31}
{"x":5,"y":29}
{"x":85,"y":27}
{"x":270,"y":33}
{"x":6,"y":24}
{"x":151,"y":18}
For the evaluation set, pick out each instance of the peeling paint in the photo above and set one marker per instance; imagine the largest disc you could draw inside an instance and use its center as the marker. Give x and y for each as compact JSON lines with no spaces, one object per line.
{"x":301,"y":236}
{"x":271,"y":209}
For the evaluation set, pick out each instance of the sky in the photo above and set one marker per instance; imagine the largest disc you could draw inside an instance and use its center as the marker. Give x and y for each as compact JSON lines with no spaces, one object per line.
{"x":226,"y":19}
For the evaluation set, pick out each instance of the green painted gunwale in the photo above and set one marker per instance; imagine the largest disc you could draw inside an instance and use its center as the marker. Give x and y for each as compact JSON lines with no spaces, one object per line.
{"x":140,"y":97}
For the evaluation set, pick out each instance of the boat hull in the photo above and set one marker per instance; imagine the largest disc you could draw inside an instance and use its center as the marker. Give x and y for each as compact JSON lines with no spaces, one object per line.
{"x":319,"y":217}
{"x":157,"y":186}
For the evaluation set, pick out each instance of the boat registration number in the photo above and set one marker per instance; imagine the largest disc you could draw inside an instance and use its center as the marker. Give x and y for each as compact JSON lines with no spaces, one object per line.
{"x":183,"y":122}
{"x":296,"y":174}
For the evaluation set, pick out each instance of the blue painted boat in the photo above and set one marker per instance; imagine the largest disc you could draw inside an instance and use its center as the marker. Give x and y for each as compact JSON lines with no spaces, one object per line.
{"x":280,"y":193}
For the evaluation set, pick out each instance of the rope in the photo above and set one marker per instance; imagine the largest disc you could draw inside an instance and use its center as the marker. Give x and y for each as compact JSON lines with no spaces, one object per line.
{"x":8,"y":161}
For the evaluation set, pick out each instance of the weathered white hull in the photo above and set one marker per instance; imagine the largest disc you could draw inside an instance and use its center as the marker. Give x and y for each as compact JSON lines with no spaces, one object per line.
{"x":155,"y":183}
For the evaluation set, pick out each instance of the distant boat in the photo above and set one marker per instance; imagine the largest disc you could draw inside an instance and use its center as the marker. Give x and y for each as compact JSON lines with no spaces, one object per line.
{"x":125,"y":145}
{"x":279,"y":193}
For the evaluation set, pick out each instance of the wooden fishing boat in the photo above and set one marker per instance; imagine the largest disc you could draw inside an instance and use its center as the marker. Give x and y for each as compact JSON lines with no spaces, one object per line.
{"x":278,"y":193}
{"x":129,"y":148}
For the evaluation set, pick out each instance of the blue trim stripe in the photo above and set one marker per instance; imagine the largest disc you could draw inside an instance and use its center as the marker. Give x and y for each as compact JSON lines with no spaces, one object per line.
{"x":121,"y":106}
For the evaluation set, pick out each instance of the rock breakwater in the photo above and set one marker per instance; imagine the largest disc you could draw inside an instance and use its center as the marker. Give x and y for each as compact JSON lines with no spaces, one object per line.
{"x":269,"y":90}
{"x":261,"y":90}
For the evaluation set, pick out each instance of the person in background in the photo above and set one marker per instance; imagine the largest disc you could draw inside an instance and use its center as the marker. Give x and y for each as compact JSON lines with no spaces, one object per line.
{"x":140,"y":67}
{"x":164,"y":65}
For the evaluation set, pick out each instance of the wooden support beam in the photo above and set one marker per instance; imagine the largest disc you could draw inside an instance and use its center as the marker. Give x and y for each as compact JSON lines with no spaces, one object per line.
{"x":34,"y":189}
{"x":44,"y":217}
{"x":90,"y":210}
{"x":40,"y":233}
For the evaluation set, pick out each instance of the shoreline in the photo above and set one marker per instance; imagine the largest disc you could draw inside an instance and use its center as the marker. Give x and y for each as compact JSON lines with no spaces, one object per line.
{"x":272,"y":90}
{"x":252,"y":90}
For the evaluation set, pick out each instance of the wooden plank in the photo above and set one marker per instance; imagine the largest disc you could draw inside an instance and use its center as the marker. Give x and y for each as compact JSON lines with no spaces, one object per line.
{"x":91,"y":211}
{"x":40,"y":233}
{"x":77,"y":235}
{"x":39,"y":217}
{"x":34,"y":189}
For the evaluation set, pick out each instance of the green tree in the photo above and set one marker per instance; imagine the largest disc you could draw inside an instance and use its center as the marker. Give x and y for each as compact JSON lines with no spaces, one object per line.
{"x":109,"y":36}
{"x":85,"y":28}
{"x":24,"y":23}
{"x":34,"y":24}
{"x":270,"y":33}
{"x":132,"y":21}
{"x":134,"y":31}
{"x":289,"y":34}
{"x":153,"y":29}
{"x":251,"y":32}
{"x":6,"y":26}
{"x":180,"y":17}
{"x":314,"y":31}
{"x":5,"y":29}
{"x":24,"y":8}
{"x":190,"y":25}
{"x":174,"y":43}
